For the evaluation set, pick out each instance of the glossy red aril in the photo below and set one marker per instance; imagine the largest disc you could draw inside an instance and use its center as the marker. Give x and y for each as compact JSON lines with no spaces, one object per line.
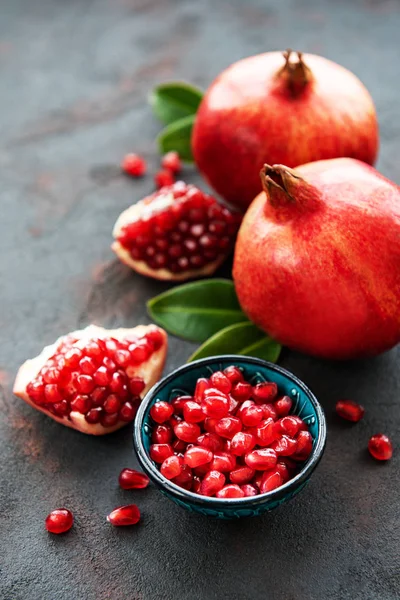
{"x":171,"y":162}
{"x":161,"y":412}
{"x":134,"y":165}
{"x":248,"y":446}
{"x":380,"y":447}
{"x":171,"y":467}
{"x":92,"y":380}
{"x":164,"y":178}
{"x":328,"y":197}
{"x":59,"y":520}
{"x":261,"y":459}
{"x":175,"y":234}
{"x":124,"y":516}
{"x":129,"y":479}
{"x":197,"y":456}
{"x":230,"y":491}
{"x":288,"y":108}
{"x":349,"y":410}
{"x":212,"y":483}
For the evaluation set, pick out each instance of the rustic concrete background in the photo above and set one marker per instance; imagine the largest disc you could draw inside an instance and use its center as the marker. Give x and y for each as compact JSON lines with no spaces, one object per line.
{"x":74,"y":81}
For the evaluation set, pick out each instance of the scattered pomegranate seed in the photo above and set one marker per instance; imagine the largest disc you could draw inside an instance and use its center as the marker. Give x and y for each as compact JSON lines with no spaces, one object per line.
{"x":134,"y":165}
{"x":59,"y":520}
{"x":349,"y":410}
{"x":171,"y":162}
{"x":124,"y":515}
{"x":129,"y":479}
{"x":163,"y":178}
{"x":380,"y":447}
{"x":213,"y":437}
{"x":161,"y":412}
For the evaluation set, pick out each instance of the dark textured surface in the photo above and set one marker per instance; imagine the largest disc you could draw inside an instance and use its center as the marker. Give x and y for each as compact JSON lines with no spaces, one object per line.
{"x":74,"y":78}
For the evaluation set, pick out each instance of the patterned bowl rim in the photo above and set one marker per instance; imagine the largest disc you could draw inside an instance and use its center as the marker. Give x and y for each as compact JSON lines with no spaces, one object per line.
{"x":184,"y":495}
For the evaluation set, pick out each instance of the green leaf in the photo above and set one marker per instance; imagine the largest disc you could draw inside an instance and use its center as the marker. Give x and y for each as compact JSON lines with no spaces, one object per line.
{"x":175,"y":100}
{"x":240,"y":338}
{"x":195,"y":311}
{"x":177,"y":136}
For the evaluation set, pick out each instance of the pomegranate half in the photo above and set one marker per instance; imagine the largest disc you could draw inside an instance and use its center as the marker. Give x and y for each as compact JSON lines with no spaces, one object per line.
{"x":93,"y":380}
{"x":287,"y":108}
{"x":317,"y":259}
{"x":177,"y":233}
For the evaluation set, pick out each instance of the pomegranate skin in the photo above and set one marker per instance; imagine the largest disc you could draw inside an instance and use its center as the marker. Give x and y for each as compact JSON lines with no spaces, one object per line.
{"x":256,"y":111}
{"x":316,"y":260}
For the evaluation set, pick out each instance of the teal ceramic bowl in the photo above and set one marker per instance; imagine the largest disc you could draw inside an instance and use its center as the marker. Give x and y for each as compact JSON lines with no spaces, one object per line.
{"x":182,"y":381}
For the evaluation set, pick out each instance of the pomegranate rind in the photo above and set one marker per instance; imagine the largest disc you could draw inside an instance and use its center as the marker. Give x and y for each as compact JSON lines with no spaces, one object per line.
{"x":150,"y":371}
{"x":134,"y":213}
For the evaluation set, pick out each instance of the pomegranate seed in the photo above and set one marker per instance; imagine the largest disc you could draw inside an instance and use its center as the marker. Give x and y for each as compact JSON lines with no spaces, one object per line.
{"x":124,"y":515}
{"x":284,"y":446}
{"x":197,"y":456}
{"x":179,"y":446}
{"x":211,"y":441}
{"x":98,"y":396}
{"x":81,"y":404}
{"x":249,"y":490}
{"x":251,"y":415}
{"x":163,"y":178}
{"x":233,"y":374}
{"x":266,"y":432}
{"x":59,"y":520}
{"x":221,"y":382}
{"x":215,"y":406}
{"x":179,"y":403}
{"x":85,"y":384}
{"x":171,"y":162}
{"x":241,"y":391}
{"x":112,"y":404}
{"x":192,"y":412}
{"x":351,"y":411}
{"x":102,"y":376}
{"x":129,"y":479}
{"x":162,"y":434}
{"x":288,"y":425}
{"x":159,"y":452}
{"x":241,"y":475}
{"x":242,"y":443}
{"x":282,"y":469}
{"x":212,"y":483}
{"x":230,"y":491}
{"x":161,"y":412}
{"x":171,"y":467}
{"x":133,"y":165}
{"x":269,"y":411}
{"x":185,"y":478}
{"x":127,"y":412}
{"x":188,"y":432}
{"x":94,"y":415}
{"x":109,"y":420}
{"x":304,"y":444}
{"x":87,"y":365}
{"x":201,"y":386}
{"x":209,"y":424}
{"x":52,"y":393}
{"x":261,"y":459}
{"x":380,"y":447}
{"x":283,"y":406}
{"x":270,"y":481}
{"x":223,"y":461}
{"x":265,"y":392}
{"x":228,"y":427}
{"x":136,"y":385}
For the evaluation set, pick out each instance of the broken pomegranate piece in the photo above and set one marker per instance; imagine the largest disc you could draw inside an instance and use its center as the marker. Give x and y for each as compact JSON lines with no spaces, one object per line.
{"x":93,"y":380}
{"x":177,"y":233}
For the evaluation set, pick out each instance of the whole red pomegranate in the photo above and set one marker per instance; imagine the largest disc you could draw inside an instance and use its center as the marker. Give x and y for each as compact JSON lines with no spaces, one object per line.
{"x":317,"y":259}
{"x":289,"y":109}
{"x":93,"y":380}
{"x":177,"y":233}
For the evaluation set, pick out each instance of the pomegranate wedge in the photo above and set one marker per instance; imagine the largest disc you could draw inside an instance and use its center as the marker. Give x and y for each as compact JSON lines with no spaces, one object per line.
{"x":93,"y":380}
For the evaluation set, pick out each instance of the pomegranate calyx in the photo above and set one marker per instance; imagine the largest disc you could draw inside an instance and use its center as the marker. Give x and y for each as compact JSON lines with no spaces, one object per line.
{"x":283,"y":186}
{"x":297,"y":74}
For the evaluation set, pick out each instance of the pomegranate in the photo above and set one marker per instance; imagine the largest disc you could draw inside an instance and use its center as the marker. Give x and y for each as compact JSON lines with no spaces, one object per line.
{"x":316,"y":260}
{"x":175,"y":234}
{"x":220,"y":462}
{"x":291,"y":109}
{"x":92,"y":380}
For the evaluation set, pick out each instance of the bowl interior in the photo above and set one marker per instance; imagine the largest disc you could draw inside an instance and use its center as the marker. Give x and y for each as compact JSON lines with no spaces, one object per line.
{"x":183,"y":381}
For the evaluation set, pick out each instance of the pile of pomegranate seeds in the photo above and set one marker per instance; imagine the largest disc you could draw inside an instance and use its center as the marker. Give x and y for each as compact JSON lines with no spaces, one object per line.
{"x":59,"y":520}
{"x":95,"y":377}
{"x":349,"y":410}
{"x":179,"y":228}
{"x":230,"y":439}
{"x":134,"y":165}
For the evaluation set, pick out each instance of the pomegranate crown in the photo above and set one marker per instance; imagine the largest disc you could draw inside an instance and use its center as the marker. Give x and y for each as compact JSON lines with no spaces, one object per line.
{"x":285,"y":187}
{"x":296,"y":72}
